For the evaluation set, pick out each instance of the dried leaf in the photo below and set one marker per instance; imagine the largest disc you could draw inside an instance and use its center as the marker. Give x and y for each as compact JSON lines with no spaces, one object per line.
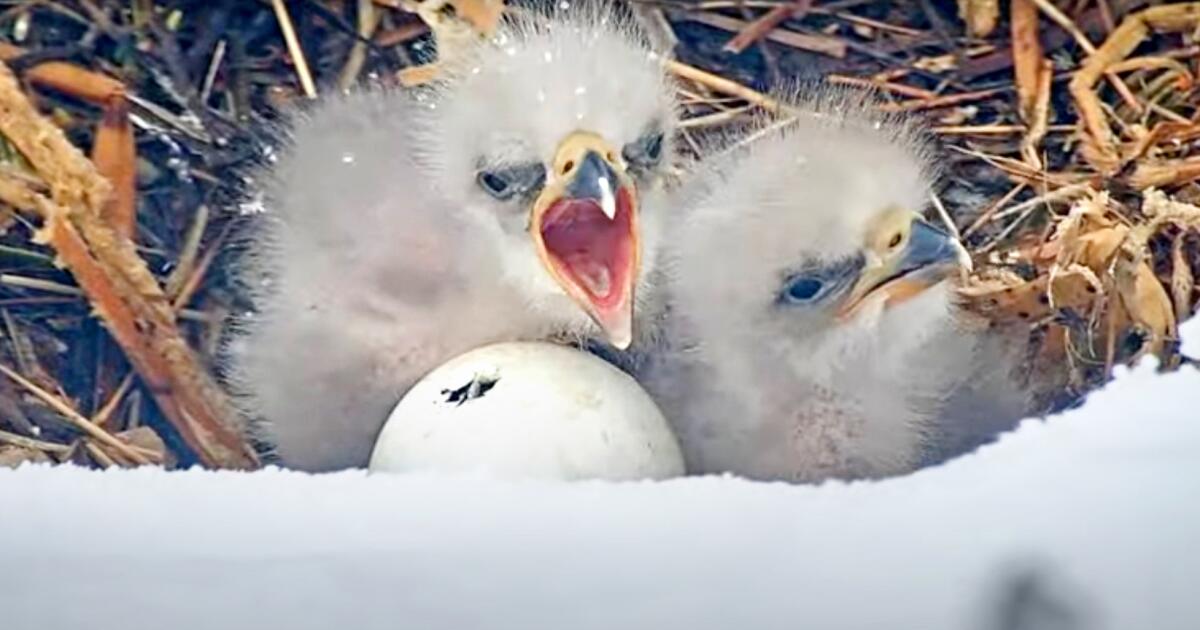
{"x":414,"y":76}
{"x":1008,"y":301}
{"x":13,"y":456}
{"x":1074,"y":287}
{"x":1183,"y":284}
{"x":937,"y":64}
{"x":482,"y":15}
{"x":148,"y":441}
{"x":456,"y":25}
{"x":980,"y":15}
{"x":1145,"y":302}
{"x":1095,"y":284}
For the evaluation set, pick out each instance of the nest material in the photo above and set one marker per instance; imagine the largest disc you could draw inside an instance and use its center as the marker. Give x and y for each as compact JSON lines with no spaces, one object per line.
{"x":1072,"y":130}
{"x":1104,"y":289}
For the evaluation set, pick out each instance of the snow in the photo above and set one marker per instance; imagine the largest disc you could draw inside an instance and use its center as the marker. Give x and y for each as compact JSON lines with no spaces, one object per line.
{"x":1087,"y":520}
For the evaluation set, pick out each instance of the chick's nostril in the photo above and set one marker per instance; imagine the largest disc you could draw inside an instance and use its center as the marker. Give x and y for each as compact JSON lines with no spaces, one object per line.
{"x":568,"y":167}
{"x":895,"y":242}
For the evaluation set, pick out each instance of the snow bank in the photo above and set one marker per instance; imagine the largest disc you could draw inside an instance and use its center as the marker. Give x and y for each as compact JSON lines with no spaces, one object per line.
{"x":1090,"y":520}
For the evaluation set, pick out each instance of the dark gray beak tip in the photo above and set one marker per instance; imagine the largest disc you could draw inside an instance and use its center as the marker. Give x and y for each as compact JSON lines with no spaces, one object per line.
{"x":929,"y":245}
{"x":585,"y":182}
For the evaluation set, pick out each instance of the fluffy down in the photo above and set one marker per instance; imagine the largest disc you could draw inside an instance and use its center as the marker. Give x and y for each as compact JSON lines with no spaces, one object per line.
{"x":776,"y":385}
{"x":380,"y":256}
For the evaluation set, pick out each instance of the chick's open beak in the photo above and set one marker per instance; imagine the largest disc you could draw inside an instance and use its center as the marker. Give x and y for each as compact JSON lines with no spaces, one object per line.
{"x":905,"y":256}
{"x":585,"y":228}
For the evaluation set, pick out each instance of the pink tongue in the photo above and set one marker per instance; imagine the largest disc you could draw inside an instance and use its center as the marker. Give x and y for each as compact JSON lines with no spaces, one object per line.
{"x":587,"y":243}
{"x":594,"y":274}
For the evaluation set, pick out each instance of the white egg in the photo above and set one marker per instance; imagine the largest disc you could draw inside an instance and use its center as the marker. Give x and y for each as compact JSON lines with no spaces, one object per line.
{"x":529,"y":410}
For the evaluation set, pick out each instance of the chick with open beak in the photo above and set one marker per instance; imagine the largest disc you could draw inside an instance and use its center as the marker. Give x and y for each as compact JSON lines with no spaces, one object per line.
{"x":905,"y":255}
{"x":584,"y":225}
{"x":510,"y":200}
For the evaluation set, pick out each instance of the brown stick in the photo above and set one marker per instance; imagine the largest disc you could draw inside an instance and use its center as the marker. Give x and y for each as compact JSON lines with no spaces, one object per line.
{"x":1100,"y":145}
{"x":822,"y":44}
{"x":121,"y":289}
{"x":80,"y":422}
{"x":1027,"y":55}
{"x":67,"y":78}
{"x":941,"y":101}
{"x":1038,"y":116}
{"x":114,"y":153}
{"x":294,"y":49}
{"x":163,"y":360}
{"x":723,"y":85}
{"x":1160,"y":174}
{"x":759,"y":28}
{"x":895,"y":88}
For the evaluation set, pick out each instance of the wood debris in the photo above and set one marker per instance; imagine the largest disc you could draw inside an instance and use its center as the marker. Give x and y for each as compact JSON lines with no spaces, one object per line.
{"x":1112,"y":289}
{"x":14,"y":456}
{"x":981,"y":16}
{"x":122,"y":291}
{"x":456,"y":25}
{"x":1099,"y":145}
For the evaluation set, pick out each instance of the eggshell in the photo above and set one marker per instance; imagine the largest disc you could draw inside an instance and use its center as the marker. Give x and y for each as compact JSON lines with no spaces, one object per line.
{"x":529,"y":410}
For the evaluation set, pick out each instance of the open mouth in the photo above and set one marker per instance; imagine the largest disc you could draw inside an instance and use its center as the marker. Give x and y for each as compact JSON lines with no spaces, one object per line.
{"x":590,"y":250}
{"x":904,"y":278}
{"x":908,"y":282}
{"x":904,"y":285}
{"x":901,"y":286}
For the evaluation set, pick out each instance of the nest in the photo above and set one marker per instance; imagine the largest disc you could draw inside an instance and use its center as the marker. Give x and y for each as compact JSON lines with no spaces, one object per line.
{"x":1072,"y":133}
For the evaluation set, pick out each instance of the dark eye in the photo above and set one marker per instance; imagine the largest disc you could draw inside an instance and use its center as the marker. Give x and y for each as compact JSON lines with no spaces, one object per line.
{"x":507,"y":183}
{"x":645,"y":151}
{"x":802,"y":289}
{"x":654,"y":146}
{"x":494,"y":184}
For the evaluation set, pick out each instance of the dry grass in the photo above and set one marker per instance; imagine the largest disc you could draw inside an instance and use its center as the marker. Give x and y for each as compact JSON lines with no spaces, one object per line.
{"x":1072,"y":133}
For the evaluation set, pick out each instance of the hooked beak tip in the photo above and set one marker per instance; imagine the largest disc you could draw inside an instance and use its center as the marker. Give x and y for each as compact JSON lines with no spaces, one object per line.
{"x":595,"y":179}
{"x":930,"y":257}
{"x":619,"y":334}
{"x":608,"y":201}
{"x":964,"y":259}
{"x":585,"y":223}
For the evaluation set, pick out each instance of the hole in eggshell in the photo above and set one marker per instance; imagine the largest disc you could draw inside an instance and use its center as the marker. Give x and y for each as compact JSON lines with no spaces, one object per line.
{"x":475,"y":388}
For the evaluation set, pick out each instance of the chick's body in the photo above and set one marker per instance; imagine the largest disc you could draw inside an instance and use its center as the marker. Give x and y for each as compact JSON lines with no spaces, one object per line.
{"x":811,"y":326}
{"x":398,"y":230}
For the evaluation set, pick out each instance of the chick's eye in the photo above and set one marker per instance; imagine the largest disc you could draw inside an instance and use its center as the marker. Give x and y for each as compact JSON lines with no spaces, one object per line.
{"x":654,"y":146}
{"x":645,"y":151}
{"x":803,"y":289}
{"x":506,"y":183}
{"x":494,"y":184}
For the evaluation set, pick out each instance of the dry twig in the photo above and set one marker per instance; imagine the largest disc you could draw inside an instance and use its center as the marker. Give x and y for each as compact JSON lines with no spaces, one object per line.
{"x":122,"y":291}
